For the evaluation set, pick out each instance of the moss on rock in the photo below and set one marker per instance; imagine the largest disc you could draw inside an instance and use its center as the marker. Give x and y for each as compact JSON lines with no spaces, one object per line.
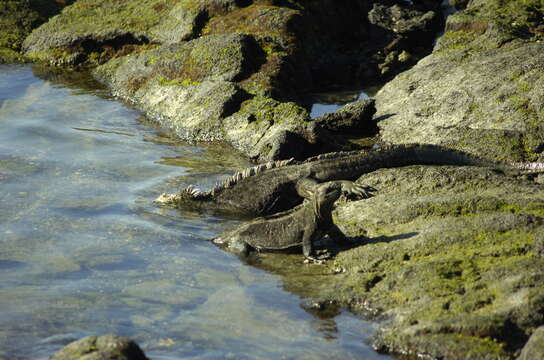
{"x":98,"y":26}
{"x":17,"y":19}
{"x":265,"y":129}
{"x":448,"y":260}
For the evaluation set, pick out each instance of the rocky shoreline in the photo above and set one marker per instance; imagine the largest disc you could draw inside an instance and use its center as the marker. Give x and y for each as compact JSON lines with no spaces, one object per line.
{"x":452,"y":260}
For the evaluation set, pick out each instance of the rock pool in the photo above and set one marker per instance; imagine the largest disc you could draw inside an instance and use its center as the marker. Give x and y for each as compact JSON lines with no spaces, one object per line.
{"x":84,"y":251}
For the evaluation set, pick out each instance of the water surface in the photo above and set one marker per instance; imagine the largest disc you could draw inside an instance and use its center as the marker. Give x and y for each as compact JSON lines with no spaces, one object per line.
{"x":84,"y":251}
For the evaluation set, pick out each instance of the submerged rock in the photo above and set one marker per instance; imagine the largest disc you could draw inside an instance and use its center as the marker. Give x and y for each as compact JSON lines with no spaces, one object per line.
{"x":106,"y":347}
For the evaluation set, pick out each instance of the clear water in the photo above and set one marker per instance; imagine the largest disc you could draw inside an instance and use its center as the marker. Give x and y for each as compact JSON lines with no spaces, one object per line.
{"x":330,"y":102}
{"x":84,"y":251}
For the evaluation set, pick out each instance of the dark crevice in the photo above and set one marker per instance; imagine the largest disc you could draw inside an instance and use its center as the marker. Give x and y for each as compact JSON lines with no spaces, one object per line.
{"x":234,"y":104}
{"x":96,"y":52}
{"x":201,"y":21}
{"x":373,"y":282}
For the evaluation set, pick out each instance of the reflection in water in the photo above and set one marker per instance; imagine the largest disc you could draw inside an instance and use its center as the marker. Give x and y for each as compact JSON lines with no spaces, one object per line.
{"x":83,"y":250}
{"x":330,"y":102}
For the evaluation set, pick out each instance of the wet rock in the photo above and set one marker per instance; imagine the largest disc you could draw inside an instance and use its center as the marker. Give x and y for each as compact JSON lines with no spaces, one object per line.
{"x":534,"y":349}
{"x":354,"y":118}
{"x":481,"y":90}
{"x":106,"y":347}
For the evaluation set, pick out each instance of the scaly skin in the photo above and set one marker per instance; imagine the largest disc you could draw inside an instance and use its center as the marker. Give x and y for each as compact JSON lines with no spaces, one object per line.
{"x":276,"y":189}
{"x":300,"y":226}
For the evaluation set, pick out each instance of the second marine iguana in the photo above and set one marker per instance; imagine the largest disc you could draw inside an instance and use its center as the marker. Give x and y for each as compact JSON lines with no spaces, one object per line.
{"x":297,"y":227}
{"x":277,"y":186}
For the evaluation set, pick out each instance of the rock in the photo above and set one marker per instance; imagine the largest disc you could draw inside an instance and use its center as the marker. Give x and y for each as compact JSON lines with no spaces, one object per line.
{"x":106,"y":347}
{"x":17,"y":19}
{"x":446,"y":259}
{"x":459,"y":4}
{"x":539,"y":244}
{"x":534,"y":349}
{"x":94,"y":31}
{"x":268,"y":129}
{"x":481,"y":90}
{"x":187,"y":87}
{"x":407,"y":29}
{"x":401,"y":19}
{"x":232,"y":70}
{"x":192,"y":89}
{"x":354,"y":118}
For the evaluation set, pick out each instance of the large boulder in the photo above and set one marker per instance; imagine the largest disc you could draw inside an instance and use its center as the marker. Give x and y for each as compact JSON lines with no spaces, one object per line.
{"x":534,"y":349}
{"x":194,"y":88}
{"x":444,"y":257}
{"x":448,"y":259}
{"x":481,"y":90}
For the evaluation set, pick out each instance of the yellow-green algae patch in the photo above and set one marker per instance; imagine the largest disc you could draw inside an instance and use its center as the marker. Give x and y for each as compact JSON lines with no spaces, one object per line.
{"x":463,"y":275}
{"x":447,"y":256}
{"x":17,"y":19}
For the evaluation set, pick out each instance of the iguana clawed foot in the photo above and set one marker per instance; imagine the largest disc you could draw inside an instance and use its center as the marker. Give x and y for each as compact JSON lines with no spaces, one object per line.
{"x":319,"y":258}
{"x":360,"y":191}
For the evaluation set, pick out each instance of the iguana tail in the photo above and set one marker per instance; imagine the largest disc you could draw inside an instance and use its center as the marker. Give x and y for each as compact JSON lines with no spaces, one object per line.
{"x":192,"y":193}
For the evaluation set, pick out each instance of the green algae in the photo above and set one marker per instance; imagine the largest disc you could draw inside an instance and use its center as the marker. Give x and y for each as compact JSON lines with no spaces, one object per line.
{"x":108,"y":24}
{"x":17,"y":19}
{"x":467,"y":275}
{"x":505,"y":19}
{"x":263,"y":109}
{"x":185,"y":82}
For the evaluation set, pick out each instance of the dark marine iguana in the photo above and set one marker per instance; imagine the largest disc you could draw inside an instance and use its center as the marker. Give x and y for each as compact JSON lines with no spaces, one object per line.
{"x":277,"y":186}
{"x":297,"y":227}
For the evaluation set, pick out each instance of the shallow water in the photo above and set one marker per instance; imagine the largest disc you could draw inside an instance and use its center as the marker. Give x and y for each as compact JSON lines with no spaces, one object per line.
{"x":84,"y":251}
{"x":324,"y":103}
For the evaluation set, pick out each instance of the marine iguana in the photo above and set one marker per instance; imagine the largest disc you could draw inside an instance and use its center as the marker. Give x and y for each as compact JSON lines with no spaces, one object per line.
{"x":300,"y":226}
{"x":277,"y":186}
